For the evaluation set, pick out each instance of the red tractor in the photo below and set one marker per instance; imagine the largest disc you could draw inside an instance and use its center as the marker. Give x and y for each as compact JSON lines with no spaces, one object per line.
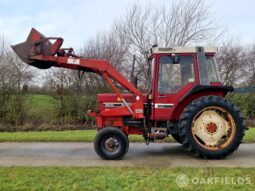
{"x":185,"y":98}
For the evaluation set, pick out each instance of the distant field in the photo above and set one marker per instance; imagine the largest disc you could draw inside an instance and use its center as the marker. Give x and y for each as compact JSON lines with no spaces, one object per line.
{"x":79,"y":136}
{"x":148,"y":178}
{"x":42,"y":108}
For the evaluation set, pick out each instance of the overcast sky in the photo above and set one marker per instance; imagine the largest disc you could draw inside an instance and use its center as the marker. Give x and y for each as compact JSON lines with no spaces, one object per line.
{"x":78,"y":20}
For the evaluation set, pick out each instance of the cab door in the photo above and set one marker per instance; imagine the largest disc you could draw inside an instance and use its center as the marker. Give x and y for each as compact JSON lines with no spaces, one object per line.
{"x":174,"y":76}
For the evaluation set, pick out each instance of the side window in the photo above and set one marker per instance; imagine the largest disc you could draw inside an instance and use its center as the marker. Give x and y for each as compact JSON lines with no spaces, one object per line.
{"x":212,"y":70}
{"x":150,"y":74}
{"x":173,"y":76}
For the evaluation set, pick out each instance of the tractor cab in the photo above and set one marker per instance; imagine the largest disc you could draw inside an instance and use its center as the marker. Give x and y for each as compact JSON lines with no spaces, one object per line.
{"x":175,"y":72}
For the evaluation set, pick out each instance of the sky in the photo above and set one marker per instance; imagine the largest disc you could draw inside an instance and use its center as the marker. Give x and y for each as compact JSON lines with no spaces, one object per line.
{"x":79,"y":20}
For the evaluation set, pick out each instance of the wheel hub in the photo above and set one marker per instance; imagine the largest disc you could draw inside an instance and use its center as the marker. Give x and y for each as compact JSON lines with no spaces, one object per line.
{"x":111,"y":144}
{"x":210,"y":127}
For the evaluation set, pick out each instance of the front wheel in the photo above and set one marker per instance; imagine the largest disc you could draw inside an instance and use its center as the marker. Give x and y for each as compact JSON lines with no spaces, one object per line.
{"x":111,"y":143}
{"x":211,"y":127}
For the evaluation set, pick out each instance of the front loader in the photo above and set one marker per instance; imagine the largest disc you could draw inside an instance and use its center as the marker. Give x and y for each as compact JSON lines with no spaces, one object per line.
{"x":185,"y":98}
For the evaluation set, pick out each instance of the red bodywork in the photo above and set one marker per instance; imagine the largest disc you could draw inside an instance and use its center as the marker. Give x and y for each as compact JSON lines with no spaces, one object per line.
{"x":40,"y":52}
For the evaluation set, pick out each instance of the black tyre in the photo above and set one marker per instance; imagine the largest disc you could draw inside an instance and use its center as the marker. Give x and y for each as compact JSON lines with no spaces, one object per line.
{"x":211,"y":127}
{"x":177,"y":138}
{"x":111,"y":143}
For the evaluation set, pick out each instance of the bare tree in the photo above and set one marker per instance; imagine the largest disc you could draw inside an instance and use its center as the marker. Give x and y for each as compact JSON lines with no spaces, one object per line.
{"x":13,"y":75}
{"x":237,"y":67}
{"x":180,"y":24}
{"x":110,"y":46}
{"x":4,"y":75}
{"x":249,"y":65}
{"x":232,"y":62}
{"x":21,"y":73}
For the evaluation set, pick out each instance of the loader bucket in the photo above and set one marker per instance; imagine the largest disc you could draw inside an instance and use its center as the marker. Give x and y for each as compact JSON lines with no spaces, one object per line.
{"x":37,"y":44}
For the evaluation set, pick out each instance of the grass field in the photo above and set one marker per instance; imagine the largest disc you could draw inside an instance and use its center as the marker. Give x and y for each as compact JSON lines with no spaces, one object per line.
{"x":57,"y":136}
{"x":80,"y":136}
{"x":68,"y":178}
{"x":43,"y":108}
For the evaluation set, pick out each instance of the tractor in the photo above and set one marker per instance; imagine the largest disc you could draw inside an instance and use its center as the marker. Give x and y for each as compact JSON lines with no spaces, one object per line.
{"x":185,"y":98}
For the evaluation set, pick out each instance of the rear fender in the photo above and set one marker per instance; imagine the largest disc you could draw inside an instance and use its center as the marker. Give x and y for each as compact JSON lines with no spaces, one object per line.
{"x":197,"y":92}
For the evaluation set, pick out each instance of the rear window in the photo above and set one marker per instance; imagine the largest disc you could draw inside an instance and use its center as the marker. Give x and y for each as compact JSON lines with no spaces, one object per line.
{"x":212,"y":69}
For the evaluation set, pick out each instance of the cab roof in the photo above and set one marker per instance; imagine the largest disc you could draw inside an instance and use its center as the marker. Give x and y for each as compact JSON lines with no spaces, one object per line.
{"x":172,"y":50}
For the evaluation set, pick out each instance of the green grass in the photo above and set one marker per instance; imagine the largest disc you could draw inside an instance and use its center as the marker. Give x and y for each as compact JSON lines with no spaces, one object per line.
{"x":70,"y":178}
{"x":43,"y":101}
{"x":80,"y":136}
{"x":49,"y":136}
{"x":250,"y":136}
{"x":56,"y":136}
{"x":42,"y":107}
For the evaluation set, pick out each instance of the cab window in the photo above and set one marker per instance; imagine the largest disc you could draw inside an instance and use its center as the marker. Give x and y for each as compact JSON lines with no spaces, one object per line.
{"x":150,"y":74}
{"x":174,"y":75}
{"x":212,"y":69}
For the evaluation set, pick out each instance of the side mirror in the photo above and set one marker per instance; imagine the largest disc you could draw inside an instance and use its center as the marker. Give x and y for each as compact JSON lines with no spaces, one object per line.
{"x":134,"y":80}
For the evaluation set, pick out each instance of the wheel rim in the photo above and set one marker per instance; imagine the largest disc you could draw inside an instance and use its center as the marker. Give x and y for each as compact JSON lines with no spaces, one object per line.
{"x":213,"y":128}
{"x":111,"y":145}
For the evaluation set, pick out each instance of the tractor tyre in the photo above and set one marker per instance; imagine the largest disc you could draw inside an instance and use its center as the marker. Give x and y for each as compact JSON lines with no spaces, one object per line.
{"x":211,"y":127}
{"x":111,"y":143}
{"x":177,"y":138}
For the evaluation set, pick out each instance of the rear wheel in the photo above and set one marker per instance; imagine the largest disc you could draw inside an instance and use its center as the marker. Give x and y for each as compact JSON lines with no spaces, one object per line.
{"x":211,"y":127}
{"x":111,"y":143}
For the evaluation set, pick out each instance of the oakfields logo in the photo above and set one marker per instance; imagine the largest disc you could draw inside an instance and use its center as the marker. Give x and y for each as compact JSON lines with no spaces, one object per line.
{"x":183,"y":180}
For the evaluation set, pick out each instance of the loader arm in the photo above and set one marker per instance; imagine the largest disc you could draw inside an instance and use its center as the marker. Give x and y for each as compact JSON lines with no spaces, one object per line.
{"x":40,"y":52}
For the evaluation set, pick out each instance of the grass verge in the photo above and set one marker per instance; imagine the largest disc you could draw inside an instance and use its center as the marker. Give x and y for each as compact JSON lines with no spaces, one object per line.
{"x":57,"y":136}
{"x":79,"y":136}
{"x":93,"y":178}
